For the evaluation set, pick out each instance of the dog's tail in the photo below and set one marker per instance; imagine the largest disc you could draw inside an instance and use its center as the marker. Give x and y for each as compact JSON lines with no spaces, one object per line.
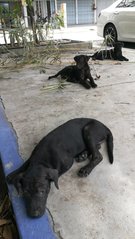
{"x":54,"y":76}
{"x":109,"y":142}
{"x":91,"y":55}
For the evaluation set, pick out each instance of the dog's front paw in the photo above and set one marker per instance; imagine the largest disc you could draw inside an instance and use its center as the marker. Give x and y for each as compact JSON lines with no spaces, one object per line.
{"x":87,"y":85}
{"x":94,"y":85}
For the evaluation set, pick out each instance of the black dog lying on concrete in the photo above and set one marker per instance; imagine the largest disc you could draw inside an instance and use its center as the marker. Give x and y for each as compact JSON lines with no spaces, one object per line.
{"x":79,"y":73}
{"x":54,"y":155}
{"x":112,"y":54}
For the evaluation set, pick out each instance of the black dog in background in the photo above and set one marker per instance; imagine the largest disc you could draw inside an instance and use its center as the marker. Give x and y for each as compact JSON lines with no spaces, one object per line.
{"x":54,"y":155}
{"x":113,"y":54}
{"x":79,"y":73}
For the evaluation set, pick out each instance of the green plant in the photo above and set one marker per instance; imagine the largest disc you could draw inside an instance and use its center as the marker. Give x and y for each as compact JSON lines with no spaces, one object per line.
{"x":108,"y":40}
{"x":57,"y":20}
{"x":2,"y":21}
{"x":30,"y":10}
{"x":28,"y":39}
{"x":57,"y":86}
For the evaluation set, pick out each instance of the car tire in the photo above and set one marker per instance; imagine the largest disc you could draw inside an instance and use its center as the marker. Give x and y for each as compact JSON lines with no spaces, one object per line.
{"x":110,"y":34}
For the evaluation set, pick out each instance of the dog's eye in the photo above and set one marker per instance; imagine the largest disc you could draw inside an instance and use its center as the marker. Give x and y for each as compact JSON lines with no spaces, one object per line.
{"x":41,"y":193}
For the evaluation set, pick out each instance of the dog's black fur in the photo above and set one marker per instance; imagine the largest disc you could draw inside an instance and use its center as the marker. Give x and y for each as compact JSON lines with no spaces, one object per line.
{"x":112,"y":54}
{"x":79,"y":73}
{"x":55,"y":154}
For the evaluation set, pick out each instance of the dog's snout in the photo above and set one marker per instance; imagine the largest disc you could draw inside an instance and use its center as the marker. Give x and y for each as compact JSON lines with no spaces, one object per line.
{"x":36,"y":213}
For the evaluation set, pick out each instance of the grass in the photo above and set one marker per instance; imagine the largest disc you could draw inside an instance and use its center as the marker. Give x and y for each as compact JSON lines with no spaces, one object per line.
{"x":57,"y":86}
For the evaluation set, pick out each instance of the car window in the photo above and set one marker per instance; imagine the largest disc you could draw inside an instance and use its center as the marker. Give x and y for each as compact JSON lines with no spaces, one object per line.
{"x":127,"y":3}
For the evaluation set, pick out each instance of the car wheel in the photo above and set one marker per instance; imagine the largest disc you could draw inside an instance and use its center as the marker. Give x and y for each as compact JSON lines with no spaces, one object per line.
{"x":110,"y":34}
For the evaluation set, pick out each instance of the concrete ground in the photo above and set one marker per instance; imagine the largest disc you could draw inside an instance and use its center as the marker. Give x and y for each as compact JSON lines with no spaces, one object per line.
{"x":100,"y":206}
{"x":81,"y":33}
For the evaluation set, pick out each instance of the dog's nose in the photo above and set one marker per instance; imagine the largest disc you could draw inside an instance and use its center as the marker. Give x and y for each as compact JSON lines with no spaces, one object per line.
{"x":36,"y":213}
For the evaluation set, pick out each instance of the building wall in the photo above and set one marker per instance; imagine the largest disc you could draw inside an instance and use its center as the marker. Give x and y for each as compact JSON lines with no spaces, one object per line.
{"x":71,"y":10}
{"x":78,"y":11}
{"x":40,"y":8}
{"x":85,"y":12}
{"x":82,"y":12}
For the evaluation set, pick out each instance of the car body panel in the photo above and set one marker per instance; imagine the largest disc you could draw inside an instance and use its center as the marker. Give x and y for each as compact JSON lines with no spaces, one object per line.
{"x":123,"y":18}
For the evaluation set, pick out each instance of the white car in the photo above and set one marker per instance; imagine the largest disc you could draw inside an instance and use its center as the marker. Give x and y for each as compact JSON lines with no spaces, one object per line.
{"x":118,"y":21}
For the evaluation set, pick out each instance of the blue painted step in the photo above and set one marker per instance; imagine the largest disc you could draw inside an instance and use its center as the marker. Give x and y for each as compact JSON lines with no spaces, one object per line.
{"x":28,"y":228}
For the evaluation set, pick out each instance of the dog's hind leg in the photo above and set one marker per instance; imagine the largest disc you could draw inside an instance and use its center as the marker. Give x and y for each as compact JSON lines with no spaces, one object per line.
{"x":86,"y":170}
{"x":94,"y":159}
{"x":122,"y":58}
{"x":84,"y":155}
{"x":93,"y":84}
{"x":92,"y":147}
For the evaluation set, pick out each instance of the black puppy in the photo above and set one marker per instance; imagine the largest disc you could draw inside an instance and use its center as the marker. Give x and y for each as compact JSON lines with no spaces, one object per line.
{"x":55,"y":154}
{"x":79,"y":73}
{"x":113,"y":54}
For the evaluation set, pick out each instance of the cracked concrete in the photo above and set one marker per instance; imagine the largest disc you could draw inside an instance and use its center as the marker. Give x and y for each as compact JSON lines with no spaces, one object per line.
{"x":53,"y":225}
{"x":100,"y":206}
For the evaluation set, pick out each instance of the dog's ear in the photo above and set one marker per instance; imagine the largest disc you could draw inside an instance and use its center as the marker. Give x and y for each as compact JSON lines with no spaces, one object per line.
{"x":16,"y":180}
{"x":53,"y":175}
{"x":81,"y":58}
{"x":77,"y":58}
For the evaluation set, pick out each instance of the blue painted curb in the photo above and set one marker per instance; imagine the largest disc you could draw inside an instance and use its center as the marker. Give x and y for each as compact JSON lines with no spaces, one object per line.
{"x":28,"y":228}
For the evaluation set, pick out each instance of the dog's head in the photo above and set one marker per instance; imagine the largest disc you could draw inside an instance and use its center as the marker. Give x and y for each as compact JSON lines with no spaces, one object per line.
{"x":81,"y":60}
{"x":118,"y":45}
{"x":118,"y":48}
{"x":35,"y":184}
